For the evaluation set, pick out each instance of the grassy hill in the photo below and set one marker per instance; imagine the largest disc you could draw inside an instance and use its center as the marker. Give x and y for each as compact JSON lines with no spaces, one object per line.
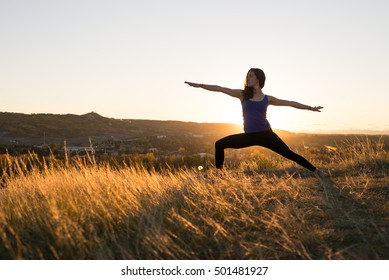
{"x":55,"y":210}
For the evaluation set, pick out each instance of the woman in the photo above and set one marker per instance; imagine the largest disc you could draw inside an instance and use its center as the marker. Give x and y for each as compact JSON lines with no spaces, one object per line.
{"x":257,"y":130}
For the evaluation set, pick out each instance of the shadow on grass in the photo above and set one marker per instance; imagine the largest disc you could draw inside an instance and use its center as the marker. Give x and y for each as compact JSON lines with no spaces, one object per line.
{"x":359,"y":223}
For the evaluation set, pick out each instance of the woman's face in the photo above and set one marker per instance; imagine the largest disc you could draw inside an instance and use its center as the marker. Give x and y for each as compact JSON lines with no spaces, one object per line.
{"x":251,"y":79}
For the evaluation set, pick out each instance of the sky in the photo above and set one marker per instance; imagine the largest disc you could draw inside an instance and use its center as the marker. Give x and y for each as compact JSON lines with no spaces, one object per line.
{"x":130,"y":59}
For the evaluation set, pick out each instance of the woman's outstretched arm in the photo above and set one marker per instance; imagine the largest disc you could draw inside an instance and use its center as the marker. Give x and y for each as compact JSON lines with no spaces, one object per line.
{"x":231,"y":92}
{"x":280,"y":102}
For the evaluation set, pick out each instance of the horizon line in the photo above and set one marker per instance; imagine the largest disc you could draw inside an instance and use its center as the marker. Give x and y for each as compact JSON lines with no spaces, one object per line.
{"x":360,"y":131}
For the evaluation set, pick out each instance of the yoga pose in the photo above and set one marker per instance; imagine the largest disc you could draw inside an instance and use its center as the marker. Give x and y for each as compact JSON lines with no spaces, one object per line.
{"x":257,"y":130}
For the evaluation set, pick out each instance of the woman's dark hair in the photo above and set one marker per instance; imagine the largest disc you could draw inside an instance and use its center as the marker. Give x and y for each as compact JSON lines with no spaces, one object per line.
{"x":248,"y":92}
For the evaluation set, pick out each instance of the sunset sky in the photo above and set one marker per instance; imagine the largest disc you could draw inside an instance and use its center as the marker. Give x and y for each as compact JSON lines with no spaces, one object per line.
{"x":130,"y":59}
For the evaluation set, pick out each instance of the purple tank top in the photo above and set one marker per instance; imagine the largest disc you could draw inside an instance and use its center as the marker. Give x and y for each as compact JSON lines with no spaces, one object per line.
{"x":254,"y":115}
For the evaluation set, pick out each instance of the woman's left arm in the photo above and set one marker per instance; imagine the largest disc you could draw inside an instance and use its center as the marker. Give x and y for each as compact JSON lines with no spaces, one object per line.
{"x":279,"y":102}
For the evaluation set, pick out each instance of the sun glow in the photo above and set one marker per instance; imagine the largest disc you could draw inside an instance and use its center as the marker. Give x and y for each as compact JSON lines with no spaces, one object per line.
{"x":281,"y":119}
{"x":235,"y":119}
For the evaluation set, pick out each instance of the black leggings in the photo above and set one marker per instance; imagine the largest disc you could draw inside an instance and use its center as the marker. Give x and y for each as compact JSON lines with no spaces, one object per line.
{"x":266,"y":139}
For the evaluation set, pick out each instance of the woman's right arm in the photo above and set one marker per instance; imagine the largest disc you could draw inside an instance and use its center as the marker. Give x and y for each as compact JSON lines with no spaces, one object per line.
{"x":231,"y":92}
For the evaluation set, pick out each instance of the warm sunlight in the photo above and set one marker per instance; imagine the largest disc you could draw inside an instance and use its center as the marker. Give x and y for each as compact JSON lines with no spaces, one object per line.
{"x":280,"y":119}
{"x":291,"y":119}
{"x":141,"y":133}
{"x":235,"y":117}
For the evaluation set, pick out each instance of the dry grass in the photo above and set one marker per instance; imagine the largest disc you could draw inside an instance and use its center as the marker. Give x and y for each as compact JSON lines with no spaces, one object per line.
{"x":97,"y":211}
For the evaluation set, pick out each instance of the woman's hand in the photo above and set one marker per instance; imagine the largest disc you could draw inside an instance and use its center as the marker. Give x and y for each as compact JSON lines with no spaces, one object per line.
{"x":316,"y":109}
{"x":193,"y":84}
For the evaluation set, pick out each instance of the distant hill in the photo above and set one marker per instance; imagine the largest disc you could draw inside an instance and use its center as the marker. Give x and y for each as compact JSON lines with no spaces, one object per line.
{"x":33,"y":129}
{"x":36,"y":129}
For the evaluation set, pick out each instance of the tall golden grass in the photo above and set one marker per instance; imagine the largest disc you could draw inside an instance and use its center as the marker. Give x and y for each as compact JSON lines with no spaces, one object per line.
{"x":86,"y":210}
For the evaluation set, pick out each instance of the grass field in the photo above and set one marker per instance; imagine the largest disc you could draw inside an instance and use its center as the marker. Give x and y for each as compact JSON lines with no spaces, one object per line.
{"x":262,"y":209}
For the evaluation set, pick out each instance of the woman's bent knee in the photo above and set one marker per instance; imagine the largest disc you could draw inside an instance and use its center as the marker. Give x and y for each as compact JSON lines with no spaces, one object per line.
{"x":219,"y":144}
